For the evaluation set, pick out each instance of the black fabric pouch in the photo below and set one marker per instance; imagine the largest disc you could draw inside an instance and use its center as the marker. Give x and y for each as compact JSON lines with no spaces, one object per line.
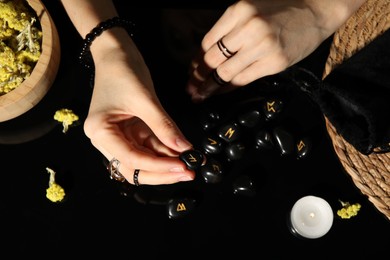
{"x":355,"y":97}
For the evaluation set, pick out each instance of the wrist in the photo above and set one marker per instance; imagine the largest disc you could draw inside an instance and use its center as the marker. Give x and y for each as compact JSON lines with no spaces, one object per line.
{"x":111,"y":27}
{"x":115,"y":40}
{"x":332,"y":14}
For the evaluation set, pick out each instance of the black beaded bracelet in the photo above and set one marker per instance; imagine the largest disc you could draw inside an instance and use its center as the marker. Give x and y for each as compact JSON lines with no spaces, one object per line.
{"x":85,"y":57}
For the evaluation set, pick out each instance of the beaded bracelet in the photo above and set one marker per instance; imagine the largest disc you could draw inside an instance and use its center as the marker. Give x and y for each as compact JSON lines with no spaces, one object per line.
{"x":85,"y":57}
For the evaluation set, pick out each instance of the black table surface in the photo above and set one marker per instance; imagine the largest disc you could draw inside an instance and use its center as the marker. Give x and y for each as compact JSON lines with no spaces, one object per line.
{"x":102,"y":217}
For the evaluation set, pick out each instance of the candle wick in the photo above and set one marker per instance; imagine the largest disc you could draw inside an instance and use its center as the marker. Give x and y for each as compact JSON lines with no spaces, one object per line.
{"x":312,"y":214}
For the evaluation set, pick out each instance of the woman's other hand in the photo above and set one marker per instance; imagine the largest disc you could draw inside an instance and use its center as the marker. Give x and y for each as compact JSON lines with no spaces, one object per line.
{"x":256,"y":38}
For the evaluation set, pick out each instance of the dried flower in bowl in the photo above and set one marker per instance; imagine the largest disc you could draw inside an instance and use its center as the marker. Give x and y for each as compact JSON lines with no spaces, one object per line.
{"x":30,"y":56}
{"x":20,"y":43}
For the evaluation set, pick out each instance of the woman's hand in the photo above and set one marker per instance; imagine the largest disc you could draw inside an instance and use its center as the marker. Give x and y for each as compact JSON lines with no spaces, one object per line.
{"x":256,"y":38}
{"x":126,"y":120}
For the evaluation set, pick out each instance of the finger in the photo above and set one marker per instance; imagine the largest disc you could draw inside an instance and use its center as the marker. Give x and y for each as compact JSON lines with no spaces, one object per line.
{"x":212,"y":85}
{"x":241,"y":52}
{"x":138,"y":131}
{"x":143,"y":177}
{"x":195,"y":62}
{"x":210,"y":55}
{"x":111,"y":143}
{"x":229,"y":20}
{"x":264,"y":67}
{"x":220,"y":52}
{"x":203,"y":82}
{"x":211,"y":60}
{"x":154,"y":176}
{"x":154,"y":144}
{"x":164,"y":127}
{"x":120,"y":173}
{"x":261,"y":55}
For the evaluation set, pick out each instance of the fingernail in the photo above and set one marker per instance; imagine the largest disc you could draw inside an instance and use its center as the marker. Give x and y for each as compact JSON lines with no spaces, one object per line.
{"x":185,"y":178}
{"x":183,"y":144}
{"x":176,"y":169}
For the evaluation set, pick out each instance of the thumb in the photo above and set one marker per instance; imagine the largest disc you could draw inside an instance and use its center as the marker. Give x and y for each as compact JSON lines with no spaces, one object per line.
{"x":165,"y":128}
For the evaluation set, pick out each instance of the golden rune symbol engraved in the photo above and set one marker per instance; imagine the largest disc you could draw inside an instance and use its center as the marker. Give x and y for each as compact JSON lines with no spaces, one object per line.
{"x":230,"y":132}
{"x":192,"y":158}
{"x":181,"y":207}
{"x":212,"y":141}
{"x":300,"y":145}
{"x":270,"y":106}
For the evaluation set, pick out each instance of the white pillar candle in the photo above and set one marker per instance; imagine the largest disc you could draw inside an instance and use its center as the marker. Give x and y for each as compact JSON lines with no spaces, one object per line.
{"x":311,"y":217}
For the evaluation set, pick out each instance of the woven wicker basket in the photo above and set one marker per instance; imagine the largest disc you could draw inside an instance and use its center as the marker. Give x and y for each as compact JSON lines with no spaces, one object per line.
{"x":370,"y":173}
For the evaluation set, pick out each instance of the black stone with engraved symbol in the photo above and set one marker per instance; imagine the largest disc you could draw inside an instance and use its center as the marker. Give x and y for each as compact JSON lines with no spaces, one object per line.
{"x":212,"y":144}
{"x":180,"y":207}
{"x":193,"y":159}
{"x":212,"y":171}
{"x":229,"y":132}
{"x":272,"y":108}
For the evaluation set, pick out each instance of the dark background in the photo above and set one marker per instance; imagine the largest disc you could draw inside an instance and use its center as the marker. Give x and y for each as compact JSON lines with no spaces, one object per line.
{"x":102,"y":217}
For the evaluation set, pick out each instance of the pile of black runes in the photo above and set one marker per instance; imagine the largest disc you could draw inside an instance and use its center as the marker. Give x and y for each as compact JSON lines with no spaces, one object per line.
{"x":246,"y":123}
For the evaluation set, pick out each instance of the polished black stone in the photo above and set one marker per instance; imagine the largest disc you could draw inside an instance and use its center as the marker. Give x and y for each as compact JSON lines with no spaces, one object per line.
{"x":193,"y":159}
{"x":303,"y":147}
{"x":264,"y":140}
{"x":284,"y":141}
{"x":272,"y":108}
{"x":180,"y":207}
{"x":244,"y":185}
{"x":212,"y":144}
{"x":250,"y":118}
{"x":212,"y":171}
{"x":229,"y":132}
{"x":210,"y":120}
{"x":235,"y":150}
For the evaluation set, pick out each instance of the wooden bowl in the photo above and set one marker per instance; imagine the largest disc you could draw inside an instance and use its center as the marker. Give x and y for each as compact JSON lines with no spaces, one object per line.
{"x":34,"y":88}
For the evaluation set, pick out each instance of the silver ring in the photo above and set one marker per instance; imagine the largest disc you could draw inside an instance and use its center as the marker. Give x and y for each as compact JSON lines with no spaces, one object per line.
{"x":135,"y":177}
{"x":113,"y":169}
{"x":225,"y":51}
{"x":218,"y":79}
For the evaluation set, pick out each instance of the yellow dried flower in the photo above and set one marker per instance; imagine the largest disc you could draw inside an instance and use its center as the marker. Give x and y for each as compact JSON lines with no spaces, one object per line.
{"x":14,"y":15}
{"x":55,"y":192}
{"x":20,"y":43}
{"x":67,"y":117}
{"x":348,"y":210}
